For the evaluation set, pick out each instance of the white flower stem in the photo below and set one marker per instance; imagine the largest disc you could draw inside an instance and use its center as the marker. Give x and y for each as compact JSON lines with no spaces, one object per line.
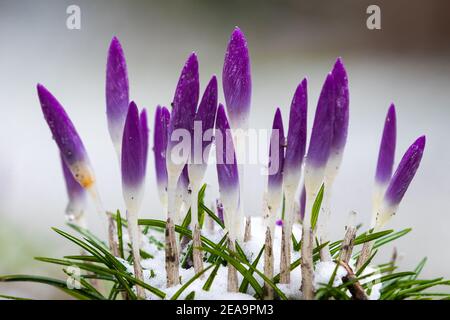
{"x":195,"y":227}
{"x":324,"y":220}
{"x":307,"y":246}
{"x":171,"y":248}
{"x":133,"y":231}
{"x":111,"y":222}
{"x":286,"y":239}
{"x":232,"y":284}
{"x":348,"y":242}
{"x":268,"y":264}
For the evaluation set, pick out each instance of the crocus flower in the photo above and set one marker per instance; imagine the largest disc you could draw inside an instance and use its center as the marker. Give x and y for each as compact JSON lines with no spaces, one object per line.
{"x":227,"y":172}
{"x":296,"y":139}
{"x":117,"y":93}
{"x":321,"y":139}
{"x":276,"y":162}
{"x":77,"y":196}
{"x":143,"y":121}
{"x":400,"y":181}
{"x":134,"y":161}
{"x":385,"y":162}
{"x":134,"y":157}
{"x":160,"y":137}
{"x":201,"y":144}
{"x":182,"y":118}
{"x":340,"y":125}
{"x":66,"y":137}
{"x":295,"y":151}
{"x":203,"y":123}
{"x":237,"y":82}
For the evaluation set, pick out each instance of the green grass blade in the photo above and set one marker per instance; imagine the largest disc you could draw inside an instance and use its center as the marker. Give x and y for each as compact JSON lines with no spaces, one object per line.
{"x":316,"y":208}
{"x":188,"y":283}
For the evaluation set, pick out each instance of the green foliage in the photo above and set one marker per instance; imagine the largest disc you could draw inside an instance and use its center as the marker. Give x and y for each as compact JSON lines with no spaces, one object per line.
{"x":105,"y":277}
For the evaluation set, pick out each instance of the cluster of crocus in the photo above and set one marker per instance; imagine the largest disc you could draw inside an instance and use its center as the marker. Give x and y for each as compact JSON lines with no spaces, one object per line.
{"x":196,"y":124}
{"x":390,"y":188}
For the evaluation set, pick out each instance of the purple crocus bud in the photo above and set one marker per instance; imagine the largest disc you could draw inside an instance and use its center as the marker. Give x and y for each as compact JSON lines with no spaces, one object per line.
{"x":401,"y":180}
{"x":76,"y":193}
{"x":387,"y":149}
{"x":321,"y":138}
{"x":133,"y":159}
{"x":181,"y":123}
{"x":66,"y":137}
{"x":201,"y":144}
{"x":276,"y":162}
{"x":203,"y":129}
{"x":185,"y":100}
{"x":276,"y":153}
{"x":341,"y":115}
{"x":237,"y":82}
{"x":117,"y":93}
{"x":160,"y":138}
{"x":296,"y":139}
{"x":143,"y":121}
{"x":227,"y":172}
{"x":385,"y":163}
{"x":279,"y":222}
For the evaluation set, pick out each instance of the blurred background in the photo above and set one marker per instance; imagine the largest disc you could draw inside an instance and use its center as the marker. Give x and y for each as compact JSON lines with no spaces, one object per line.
{"x":406,"y":62}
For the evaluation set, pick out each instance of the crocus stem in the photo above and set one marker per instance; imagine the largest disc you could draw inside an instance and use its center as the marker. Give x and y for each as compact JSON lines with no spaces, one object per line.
{"x":232,"y":285}
{"x":268,"y":264}
{"x":196,"y":251}
{"x":172,"y":257}
{"x":307,"y":246}
{"x":240,"y":138}
{"x":248,"y":229}
{"x":113,"y":246}
{"x":365,"y":253}
{"x":348,"y":242}
{"x":133,"y":232}
{"x":286,"y":240}
{"x":324,"y":221}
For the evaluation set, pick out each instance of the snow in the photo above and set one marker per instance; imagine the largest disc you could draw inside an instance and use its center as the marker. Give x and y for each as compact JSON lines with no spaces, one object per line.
{"x":155,"y":274}
{"x":324,"y":271}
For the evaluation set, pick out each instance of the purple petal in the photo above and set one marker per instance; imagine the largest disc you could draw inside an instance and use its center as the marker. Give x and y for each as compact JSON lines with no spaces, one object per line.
{"x":205,"y":116}
{"x":185,"y":100}
{"x":296,"y":139}
{"x":160,"y":138}
{"x":133,"y":169}
{"x":66,"y":137}
{"x":143,"y":121}
{"x":405,"y":173}
{"x":227,"y":170}
{"x":387,"y":148}
{"x":236,"y":78}
{"x":322,"y":131}
{"x":75,"y":192}
{"x":117,"y":91}
{"x":341,"y":111}
{"x":279,"y":222}
{"x":276,"y":159}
